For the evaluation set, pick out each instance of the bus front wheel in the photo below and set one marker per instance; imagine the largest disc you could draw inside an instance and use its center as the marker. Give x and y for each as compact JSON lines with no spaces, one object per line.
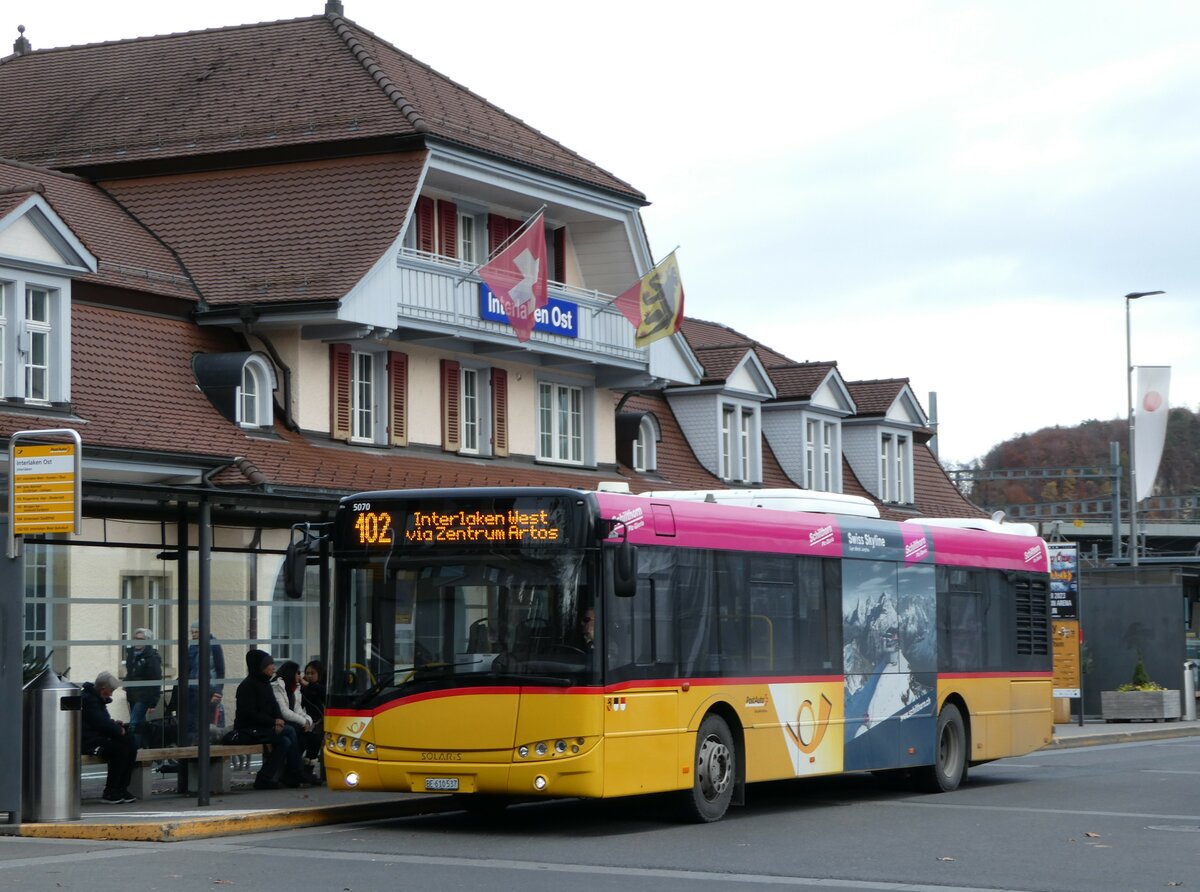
{"x":950,"y":752}
{"x":715,"y":773}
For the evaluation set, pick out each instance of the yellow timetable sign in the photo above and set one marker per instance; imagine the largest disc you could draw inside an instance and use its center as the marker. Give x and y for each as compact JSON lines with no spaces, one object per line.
{"x":43,"y":481}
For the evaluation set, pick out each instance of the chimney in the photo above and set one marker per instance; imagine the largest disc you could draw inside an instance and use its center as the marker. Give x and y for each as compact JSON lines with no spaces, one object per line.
{"x":933,"y":422}
{"x":334,"y":7}
{"x":22,"y":46}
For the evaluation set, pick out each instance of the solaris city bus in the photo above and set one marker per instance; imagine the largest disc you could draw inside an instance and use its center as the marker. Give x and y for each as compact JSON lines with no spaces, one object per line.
{"x":507,"y":643}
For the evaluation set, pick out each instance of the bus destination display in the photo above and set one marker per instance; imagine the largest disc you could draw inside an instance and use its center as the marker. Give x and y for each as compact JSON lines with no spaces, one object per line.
{"x":400,"y":525}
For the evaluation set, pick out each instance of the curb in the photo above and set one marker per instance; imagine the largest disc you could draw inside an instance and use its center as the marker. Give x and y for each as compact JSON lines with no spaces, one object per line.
{"x":1167,"y":732}
{"x":229,"y":825}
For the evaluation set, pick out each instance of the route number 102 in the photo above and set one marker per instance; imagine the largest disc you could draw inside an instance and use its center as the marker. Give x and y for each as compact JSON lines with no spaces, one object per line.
{"x":374,"y":528}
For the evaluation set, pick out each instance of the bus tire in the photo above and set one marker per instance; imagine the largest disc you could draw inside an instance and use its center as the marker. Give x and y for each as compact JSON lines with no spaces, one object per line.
{"x":950,"y":753}
{"x":715,"y":774}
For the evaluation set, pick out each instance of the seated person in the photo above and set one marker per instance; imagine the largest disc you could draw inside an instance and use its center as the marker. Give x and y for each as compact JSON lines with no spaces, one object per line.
{"x":312,"y":694}
{"x":257,"y":719}
{"x":286,"y":687}
{"x":107,"y":738}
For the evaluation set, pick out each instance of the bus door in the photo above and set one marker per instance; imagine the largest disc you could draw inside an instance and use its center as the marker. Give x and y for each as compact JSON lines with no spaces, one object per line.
{"x":642,"y":733}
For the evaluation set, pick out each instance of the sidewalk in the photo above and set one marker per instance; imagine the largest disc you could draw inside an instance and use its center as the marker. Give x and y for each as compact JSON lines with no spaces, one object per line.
{"x":169,"y":817}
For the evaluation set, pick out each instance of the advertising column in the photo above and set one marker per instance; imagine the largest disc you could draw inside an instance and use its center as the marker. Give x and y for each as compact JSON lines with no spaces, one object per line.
{"x":1064,"y":623}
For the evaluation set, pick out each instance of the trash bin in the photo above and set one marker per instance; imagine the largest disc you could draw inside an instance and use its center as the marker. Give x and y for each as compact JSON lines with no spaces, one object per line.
{"x":50,"y":745}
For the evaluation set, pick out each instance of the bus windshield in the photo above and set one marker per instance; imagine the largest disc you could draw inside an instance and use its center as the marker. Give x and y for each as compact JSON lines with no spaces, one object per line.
{"x":408,"y":625}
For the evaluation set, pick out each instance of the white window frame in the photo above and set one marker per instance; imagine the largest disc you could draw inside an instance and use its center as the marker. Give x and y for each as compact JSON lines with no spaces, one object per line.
{"x":885,"y":467}
{"x":745,"y":438}
{"x":142,"y":597}
{"x":645,"y":445}
{"x":811,"y":427}
{"x":468,"y":237}
{"x":254,"y":397}
{"x":22,"y":336}
{"x":364,"y":396}
{"x":727,"y":444}
{"x":470,"y":412}
{"x":563,"y":437}
{"x":828,"y":474}
{"x":895,"y":467}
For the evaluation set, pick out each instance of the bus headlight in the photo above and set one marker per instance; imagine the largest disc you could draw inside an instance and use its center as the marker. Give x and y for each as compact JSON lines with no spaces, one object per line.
{"x":560,"y":746}
{"x":341,"y":743}
{"x":355,"y":745}
{"x":352,"y":779}
{"x":370,"y":749}
{"x":523,"y":751}
{"x":539,"y":783}
{"x":541,"y":749}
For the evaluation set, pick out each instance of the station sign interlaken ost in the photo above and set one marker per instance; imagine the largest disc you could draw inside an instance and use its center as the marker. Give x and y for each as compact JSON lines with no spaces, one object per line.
{"x":44,"y":484}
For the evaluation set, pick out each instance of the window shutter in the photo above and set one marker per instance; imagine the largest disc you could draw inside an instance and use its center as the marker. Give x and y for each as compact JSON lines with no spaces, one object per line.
{"x":398,"y":397}
{"x":425,"y":211}
{"x":447,"y":228}
{"x":451,"y":409}
{"x":499,"y":412}
{"x":497,"y":232}
{"x":339,"y":391}
{"x":559,"y":272}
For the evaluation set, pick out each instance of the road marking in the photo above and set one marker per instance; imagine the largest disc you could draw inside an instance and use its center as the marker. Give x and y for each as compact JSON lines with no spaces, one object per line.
{"x":1167,"y":771}
{"x":123,"y":851}
{"x":1043,"y":811}
{"x":543,"y":867}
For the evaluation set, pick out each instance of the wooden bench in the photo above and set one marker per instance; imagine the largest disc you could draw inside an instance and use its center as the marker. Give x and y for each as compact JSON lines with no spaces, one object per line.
{"x":141,"y":784}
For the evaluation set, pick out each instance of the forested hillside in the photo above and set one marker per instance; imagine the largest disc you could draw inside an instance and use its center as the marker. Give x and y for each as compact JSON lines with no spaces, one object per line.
{"x":1087,"y":445}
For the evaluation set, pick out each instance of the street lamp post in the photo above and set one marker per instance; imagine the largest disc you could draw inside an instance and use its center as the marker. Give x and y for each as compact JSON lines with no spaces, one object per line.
{"x":1133,"y":498}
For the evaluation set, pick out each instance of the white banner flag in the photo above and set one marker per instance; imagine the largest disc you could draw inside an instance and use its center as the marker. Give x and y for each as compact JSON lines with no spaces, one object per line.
{"x":1150,"y":423}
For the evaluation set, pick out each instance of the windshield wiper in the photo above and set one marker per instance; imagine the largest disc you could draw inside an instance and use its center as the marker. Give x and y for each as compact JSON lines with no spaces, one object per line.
{"x":413,"y":675}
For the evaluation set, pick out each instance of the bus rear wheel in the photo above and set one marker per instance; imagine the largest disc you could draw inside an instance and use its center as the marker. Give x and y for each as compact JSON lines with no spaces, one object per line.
{"x":950,"y":753}
{"x":715,"y":774}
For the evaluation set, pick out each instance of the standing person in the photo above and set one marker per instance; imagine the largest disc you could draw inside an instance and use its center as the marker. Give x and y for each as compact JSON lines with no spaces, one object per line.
{"x":257,"y":719}
{"x":107,"y":738}
{"x":216,"y":670}
{"x":142,"y":663}
{"x":286,"y":687}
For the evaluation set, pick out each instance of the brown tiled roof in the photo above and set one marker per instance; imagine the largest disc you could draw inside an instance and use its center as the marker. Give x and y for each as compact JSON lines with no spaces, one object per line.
{"x":701,"y":335}
{"x":303,"y":231}
{"x":798,"y":381}
{"x":875,"y":397}
{"x":128,"y":256}
{"x":719,"y":362}
{"x":264,"y":86}
{"x":773,"y":474}
{"x":678,"y":467}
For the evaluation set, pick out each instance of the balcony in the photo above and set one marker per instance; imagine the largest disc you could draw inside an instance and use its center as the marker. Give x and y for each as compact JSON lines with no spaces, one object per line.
{"x":440,"y":303}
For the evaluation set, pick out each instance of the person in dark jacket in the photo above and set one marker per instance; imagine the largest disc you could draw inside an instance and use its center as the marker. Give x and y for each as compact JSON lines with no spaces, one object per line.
{"x":257,"y":719}
{"x":312,"y":693}
{"x":142,"y":663}
{"x":216,"y":671}
{"x":106,"y":738}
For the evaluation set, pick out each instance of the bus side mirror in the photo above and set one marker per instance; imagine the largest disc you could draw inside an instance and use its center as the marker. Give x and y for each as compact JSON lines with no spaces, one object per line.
{"x":295,"y":566}
{"x":625,"y":570}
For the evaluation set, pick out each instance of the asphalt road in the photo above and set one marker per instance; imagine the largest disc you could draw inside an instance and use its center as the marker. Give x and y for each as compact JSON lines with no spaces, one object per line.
{"x":1123,"y":817}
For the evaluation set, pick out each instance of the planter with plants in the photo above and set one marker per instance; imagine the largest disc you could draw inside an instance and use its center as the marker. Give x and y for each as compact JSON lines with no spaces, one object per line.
{"x":1141,"y":700}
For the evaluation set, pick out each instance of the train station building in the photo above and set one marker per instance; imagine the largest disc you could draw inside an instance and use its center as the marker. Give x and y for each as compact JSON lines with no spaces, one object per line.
{"x":242,"y":264}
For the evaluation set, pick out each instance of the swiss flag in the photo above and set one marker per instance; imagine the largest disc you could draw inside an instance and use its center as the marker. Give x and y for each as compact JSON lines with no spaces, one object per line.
{"x":517,"y":276}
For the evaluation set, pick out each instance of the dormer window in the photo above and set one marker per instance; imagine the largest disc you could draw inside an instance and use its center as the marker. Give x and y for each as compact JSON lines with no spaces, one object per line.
{"x":239,"y":385}
{"x":33,"y":359}
{"x":820,"y":449}
{"x":254,"y":399}
{"x":741,"y":455}
{"x":895,"y":468}
{"x":645,"y":447}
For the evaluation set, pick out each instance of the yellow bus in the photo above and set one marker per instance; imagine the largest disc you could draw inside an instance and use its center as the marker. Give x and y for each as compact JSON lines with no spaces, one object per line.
{"x":505,"y":644}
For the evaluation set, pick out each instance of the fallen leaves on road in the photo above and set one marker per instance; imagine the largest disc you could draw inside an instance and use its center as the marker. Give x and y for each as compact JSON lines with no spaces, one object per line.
{"x":947,"y":858}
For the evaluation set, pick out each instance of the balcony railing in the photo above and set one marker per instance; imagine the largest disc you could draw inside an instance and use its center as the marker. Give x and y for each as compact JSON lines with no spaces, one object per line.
{"x":445,"y":294}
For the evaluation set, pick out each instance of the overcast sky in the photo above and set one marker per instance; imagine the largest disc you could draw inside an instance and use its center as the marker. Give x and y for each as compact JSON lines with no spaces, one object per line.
{"x":957,"y":193}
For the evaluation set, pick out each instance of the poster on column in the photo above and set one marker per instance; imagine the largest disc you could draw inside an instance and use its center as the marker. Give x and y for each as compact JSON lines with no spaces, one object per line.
{"x":1064,"y":618}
